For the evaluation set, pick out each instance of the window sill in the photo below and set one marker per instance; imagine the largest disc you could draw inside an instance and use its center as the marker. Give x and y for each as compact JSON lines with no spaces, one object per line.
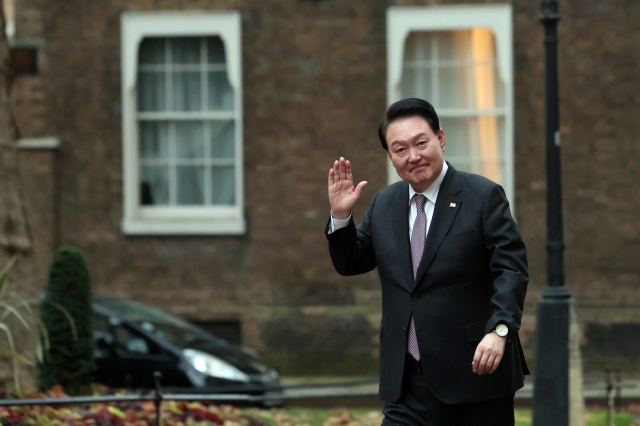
{"x":184,"y":226}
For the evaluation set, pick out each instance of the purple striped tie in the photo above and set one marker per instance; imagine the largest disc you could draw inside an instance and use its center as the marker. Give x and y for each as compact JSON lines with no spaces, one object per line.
{"x":418,"y":236}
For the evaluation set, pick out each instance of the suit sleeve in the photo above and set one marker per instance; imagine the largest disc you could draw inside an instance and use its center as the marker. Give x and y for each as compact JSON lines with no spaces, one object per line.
{"x":507,"y":262}
{"x":351,"y":248}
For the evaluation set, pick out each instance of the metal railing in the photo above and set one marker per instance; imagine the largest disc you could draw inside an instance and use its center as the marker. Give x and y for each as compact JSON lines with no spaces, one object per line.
{"x":273,"y":394}
{"x":614,"y":386}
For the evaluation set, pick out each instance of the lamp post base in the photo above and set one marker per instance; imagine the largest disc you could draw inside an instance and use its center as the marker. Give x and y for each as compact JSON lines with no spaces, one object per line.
{"x":555,"y":348}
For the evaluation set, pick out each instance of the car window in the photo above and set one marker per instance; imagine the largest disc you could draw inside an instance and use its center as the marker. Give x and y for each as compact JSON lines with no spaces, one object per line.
{"x":154,"y":320}
{"x":132,"y":342}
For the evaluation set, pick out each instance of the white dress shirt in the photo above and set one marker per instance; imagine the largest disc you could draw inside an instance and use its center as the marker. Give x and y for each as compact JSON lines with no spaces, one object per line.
{"x":431,"y":193}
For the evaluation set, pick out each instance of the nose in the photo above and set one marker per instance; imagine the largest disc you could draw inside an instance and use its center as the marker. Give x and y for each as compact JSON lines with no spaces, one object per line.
{"x":414,"y":155}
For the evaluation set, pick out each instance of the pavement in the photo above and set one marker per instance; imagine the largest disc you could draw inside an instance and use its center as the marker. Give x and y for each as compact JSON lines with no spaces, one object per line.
{"x":363,"y":392}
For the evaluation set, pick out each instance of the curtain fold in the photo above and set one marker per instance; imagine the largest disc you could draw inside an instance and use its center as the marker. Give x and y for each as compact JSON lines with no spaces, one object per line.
{"x":485,"y":94}
{"x":456,"y":72}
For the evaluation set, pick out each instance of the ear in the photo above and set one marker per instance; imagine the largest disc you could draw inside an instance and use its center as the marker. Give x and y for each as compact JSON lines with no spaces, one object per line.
{"x":443,"y":140}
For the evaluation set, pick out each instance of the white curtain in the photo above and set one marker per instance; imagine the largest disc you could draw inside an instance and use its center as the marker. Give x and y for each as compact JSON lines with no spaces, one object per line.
{"x":185,"y":162}
{"x":456,"y":72}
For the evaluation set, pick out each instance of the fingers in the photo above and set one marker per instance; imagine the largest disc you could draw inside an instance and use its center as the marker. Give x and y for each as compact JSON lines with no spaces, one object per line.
{"x":334,"y":173}
{"x":488,"y":354}
{"x":347,"y":170}
{"x":485,"y":363}
{"x":480,"y":360}
{"x":342,"y":168}
{"x":496,"y":363}
{"x":341,"y":171}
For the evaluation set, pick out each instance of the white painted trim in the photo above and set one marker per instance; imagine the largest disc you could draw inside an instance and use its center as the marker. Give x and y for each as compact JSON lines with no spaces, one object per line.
{"x":499,"y":17}
{"x":10,"y":29}
{"x":189,"y":226}
{"x":135,"y":26}
{"x":39,"y":143}
{"x":402,"y":20}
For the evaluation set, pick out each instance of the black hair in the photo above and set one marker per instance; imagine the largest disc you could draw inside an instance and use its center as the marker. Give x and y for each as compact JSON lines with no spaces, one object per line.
{"x":405,"y":108}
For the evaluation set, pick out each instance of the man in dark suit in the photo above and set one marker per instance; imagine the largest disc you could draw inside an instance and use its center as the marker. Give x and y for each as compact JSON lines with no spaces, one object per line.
{"x":453,"y":270}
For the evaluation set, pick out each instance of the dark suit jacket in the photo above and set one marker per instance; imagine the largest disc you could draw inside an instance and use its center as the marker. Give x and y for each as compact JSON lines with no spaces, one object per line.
{"x":472,"y":276}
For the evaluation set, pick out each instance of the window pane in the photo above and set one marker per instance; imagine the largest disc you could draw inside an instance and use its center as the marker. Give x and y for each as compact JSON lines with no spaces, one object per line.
{"x":485,"y":92}
{"x":416,"y":83}
{"x":464,"y":164}
{"x":223,"y":139}
{"x":151,"y":91}
{"x":454,"y":45}
{"x":223,"y":184}
{"x":220,"y":91}
{"x":489,"y":92}
{"x":190,"y":185}
{"x":154,"y":185}
{"x":189,"y":139}
{"x":475,"y":144}
{"x":418,"y":47}
{"x":454,"y":88}
{"x":186,"y":91}
{"x":499,"y":86}
{"x":152,"y":51}
{"x":154,"y":139}
{"x":490,"y":131}
{"x":215,"y":50}
{"x":185,"y":50}
{"x":460,"y":133}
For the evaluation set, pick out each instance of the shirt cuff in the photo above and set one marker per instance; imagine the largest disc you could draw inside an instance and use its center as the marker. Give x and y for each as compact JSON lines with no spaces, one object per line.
{"x":338,"y":224}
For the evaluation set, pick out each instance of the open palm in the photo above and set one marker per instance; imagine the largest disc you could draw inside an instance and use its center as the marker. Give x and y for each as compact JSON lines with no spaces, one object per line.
{"x":342,"y":193}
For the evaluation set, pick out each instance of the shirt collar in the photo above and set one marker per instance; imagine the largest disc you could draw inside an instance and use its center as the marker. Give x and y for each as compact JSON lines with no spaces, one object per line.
{"x":432,"y":191}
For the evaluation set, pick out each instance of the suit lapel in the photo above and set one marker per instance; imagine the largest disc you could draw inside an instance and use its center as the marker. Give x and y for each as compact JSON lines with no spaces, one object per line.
{"x":401,"y":231}
{"x":447,"y":206}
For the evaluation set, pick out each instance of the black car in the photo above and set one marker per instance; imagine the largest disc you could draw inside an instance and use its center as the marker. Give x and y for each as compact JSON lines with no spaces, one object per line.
{"x":134,"y":340}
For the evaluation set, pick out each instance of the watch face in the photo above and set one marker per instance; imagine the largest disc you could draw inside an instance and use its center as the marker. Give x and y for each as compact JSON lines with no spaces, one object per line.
{"x":502,"y":330}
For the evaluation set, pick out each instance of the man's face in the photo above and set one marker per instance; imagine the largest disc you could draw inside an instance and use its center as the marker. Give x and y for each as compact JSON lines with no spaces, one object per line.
{"x":416,"y":151}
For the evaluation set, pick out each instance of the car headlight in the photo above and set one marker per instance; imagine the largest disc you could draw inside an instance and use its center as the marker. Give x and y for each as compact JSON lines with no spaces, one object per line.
{"x":214,"y":366}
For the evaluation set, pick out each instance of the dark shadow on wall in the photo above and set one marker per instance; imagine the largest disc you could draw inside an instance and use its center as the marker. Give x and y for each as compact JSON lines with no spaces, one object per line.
{"x":321,"y":345}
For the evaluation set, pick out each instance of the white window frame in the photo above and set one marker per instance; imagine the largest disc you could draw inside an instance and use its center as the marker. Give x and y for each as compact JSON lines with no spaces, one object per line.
{"x":499,"y":17}
{"x":10,"y":19}
{"x":178,"y":220}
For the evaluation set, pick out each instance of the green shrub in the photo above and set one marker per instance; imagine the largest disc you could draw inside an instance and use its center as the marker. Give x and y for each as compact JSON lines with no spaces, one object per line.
{"x":66,"y":314}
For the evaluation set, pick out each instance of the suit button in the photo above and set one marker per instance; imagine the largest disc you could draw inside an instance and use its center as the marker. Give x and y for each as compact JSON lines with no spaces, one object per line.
{"x":414,"y":297}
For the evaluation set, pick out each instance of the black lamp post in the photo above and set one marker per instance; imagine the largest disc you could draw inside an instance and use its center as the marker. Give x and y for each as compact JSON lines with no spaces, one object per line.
{"x":551,"y":384}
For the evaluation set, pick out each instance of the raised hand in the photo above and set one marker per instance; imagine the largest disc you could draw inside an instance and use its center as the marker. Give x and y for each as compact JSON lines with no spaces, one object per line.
{"x":342,"y":194}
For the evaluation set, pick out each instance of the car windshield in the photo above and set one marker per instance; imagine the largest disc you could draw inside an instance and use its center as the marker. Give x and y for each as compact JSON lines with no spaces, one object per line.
{"x":172,"y":329}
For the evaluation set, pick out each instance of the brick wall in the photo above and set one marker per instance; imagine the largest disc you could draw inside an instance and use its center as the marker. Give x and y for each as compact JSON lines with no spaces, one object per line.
{"x":314,"y":76}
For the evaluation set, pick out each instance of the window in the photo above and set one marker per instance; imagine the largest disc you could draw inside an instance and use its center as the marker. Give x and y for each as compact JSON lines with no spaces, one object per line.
{"x":129,"y":341}
{"x":459,"y":58}
{"x":182,"y":123}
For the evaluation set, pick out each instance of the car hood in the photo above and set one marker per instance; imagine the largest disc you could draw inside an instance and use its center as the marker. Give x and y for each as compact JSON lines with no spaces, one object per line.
{"x":232,"y":354}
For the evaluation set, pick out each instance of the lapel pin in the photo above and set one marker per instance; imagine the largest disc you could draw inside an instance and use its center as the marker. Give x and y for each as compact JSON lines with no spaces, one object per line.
{"x":452,"y":204}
